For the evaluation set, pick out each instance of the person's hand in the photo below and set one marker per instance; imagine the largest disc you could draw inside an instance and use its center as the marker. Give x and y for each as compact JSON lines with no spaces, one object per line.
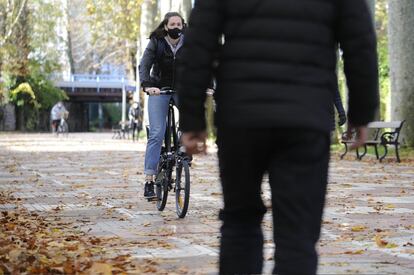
{"x":152,"y":91}
{"x":210,"y":91}
{"x":194,"y":142}
{"x":361,"y":136}
{"x":342,"y":120}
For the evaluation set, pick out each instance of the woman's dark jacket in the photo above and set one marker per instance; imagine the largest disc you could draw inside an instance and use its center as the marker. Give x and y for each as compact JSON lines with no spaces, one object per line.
{"x":277,"y":65}
{"x":158,"y":69}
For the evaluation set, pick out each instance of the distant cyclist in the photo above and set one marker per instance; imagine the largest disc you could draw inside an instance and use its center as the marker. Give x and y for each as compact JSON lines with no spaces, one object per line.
{"x":58,"y":111}
{"x":158,"y":69}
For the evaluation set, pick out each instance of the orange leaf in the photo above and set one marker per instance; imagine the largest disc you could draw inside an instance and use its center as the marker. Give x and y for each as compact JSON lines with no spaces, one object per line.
{"x":380,"y":242}
{"x":101,"y":268}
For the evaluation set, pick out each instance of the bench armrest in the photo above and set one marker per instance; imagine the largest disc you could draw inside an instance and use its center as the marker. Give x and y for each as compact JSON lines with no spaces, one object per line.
{"x":346,"y":137}
{"x":389,"y":137}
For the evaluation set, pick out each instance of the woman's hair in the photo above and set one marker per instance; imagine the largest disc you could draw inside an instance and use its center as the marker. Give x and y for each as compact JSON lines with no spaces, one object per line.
{"x":160,"y":32}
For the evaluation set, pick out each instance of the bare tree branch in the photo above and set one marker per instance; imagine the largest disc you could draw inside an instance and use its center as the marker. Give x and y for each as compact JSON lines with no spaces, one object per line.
{"x":8,"y":34}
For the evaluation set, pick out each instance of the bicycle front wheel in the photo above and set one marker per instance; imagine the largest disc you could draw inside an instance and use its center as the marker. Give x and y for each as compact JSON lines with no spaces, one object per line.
{"x":161,"y":188}
{"x":65,"y":128}
{"x":182,"y":188}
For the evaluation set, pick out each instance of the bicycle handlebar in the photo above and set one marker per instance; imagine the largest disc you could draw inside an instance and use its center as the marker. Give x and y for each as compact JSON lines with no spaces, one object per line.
{"x":169,"y":91}
{"x":165,"y":91}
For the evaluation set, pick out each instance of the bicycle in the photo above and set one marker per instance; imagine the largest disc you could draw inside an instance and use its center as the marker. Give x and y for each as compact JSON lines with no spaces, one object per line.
{"x":172,"y":156}
{"x":63,"y":127}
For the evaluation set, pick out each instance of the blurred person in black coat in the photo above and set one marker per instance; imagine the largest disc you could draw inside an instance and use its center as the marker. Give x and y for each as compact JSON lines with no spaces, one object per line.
{"x":276,"y":77}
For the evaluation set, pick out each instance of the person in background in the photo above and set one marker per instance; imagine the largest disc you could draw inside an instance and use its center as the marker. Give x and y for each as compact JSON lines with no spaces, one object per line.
{"x":57,"y":112}
{"x":135,"y":116}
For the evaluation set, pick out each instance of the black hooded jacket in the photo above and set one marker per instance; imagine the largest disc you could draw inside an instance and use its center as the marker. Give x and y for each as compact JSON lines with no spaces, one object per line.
{"x":277,"y":66}
{"x":158,"y":64}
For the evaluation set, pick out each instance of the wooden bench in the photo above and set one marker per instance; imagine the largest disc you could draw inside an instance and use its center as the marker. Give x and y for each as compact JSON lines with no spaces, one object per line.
{"x":381,"y":133}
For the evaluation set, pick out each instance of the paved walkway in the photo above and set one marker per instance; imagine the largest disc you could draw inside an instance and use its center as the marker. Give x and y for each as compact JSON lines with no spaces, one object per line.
{"x":91,"y":186}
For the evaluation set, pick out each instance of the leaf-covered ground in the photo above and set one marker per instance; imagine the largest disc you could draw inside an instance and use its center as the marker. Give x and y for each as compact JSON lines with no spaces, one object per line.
{"x":75,"y":206}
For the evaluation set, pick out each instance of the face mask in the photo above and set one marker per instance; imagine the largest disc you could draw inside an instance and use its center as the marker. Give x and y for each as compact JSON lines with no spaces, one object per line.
{"x":175,"y":33}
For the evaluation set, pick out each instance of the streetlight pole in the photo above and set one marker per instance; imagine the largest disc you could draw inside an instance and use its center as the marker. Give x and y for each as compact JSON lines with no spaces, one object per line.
{"x":137,"y":81}
{"x":123,"y":104}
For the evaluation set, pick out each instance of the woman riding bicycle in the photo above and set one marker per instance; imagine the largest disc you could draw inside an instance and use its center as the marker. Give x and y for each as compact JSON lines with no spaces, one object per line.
{"x":158,"y":69}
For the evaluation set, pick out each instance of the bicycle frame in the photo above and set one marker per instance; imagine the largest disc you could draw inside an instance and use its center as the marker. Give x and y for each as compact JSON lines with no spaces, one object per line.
{"x":170,"y":143}
{"x":62,"y":121}
{"x":173,"y":159}
{"x":171,"y":129}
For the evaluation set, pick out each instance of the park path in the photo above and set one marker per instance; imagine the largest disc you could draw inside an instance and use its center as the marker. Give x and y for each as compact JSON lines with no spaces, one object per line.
{"x":75,"y":205}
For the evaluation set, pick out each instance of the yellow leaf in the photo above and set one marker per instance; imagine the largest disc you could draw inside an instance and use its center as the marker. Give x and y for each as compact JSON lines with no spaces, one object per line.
{"x":390,"y":206}
{"x":56,"y":244}
{"x":43,"y":259}
{"x":10,"y":226}
{"x":358,"y":228}
{"x":55,"y":230}
{"x":59,"y":259}
{"x":78,"y":185}
{"x":391,"y":245}
{"x":383,"y":243}
{"x":100,"y":268}
{"x":356,"y":252}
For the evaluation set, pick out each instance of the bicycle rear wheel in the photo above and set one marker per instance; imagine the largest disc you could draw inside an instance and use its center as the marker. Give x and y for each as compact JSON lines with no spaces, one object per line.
{"x":182,"y":188}
{"x":161,"y":188}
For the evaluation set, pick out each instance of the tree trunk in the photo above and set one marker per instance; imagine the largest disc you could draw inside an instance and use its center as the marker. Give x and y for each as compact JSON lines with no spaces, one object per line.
{"x":371,"y":6}
{"x":129,"y":61}
{"x":20,"y":121}
{"x":401,"y":56}
{"x":148,"y":24}
{"x":8,"y":24}
{"x":186,"y":6}
{"x":1,"y":66}
{"x":69,"y":46}
{"x":149,"y":10}
{"x":165,"y":6}
{"x":21,"y":41}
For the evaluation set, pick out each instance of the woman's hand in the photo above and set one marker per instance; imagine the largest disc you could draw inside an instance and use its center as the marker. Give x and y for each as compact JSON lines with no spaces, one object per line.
{"x":210,"y":91}
{"x":152,"y":91}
